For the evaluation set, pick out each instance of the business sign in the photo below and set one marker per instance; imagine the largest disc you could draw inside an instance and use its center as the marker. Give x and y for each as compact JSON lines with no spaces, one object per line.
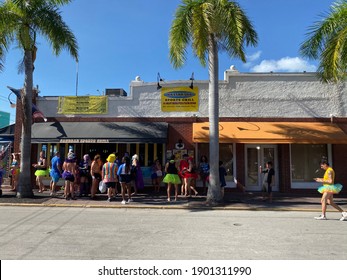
{"x":179,"y":99}
{"x":83,"y":105}
{"x":80,"y":141}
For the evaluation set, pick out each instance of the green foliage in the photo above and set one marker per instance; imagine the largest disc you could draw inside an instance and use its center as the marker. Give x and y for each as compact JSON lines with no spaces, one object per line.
{"x":327,"y":41}
{"x":22,"y":20}
{"x":198,"y":21}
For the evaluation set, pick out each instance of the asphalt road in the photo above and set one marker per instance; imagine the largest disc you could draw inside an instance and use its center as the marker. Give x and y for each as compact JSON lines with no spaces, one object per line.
{"x":59,"y":233}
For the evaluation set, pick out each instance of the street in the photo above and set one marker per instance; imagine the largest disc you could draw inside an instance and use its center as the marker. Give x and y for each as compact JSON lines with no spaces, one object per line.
{"x":46,"y":233}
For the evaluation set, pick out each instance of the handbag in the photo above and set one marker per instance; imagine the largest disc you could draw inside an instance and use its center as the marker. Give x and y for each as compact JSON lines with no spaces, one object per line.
{"x":102,"y":187}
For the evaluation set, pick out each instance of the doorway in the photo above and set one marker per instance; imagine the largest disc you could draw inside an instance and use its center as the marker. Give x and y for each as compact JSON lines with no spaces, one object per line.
{"x":256,"y":156}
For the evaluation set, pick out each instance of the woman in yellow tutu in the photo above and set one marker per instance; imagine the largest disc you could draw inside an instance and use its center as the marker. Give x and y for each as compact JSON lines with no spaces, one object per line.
{"x":328,"y":190}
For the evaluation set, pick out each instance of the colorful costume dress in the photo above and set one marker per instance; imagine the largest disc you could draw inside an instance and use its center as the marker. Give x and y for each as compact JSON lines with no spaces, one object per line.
{"x":41,"y":169}
{"x":171,"y":175}
{"x":330,"y":188}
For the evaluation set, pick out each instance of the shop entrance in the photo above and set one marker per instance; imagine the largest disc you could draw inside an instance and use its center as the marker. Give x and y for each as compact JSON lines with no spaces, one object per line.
{"x":258,"y":155}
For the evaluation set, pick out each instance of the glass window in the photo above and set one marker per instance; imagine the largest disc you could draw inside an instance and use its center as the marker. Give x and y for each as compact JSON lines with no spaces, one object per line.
{"x":305,"y":160}
{"x":225,"y":155}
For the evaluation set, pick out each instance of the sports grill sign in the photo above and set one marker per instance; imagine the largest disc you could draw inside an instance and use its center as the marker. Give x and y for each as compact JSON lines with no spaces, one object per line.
{"x":179,"y":99}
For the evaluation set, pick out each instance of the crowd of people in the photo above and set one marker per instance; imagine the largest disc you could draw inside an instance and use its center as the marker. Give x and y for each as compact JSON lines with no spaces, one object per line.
{"x":87,"y":177}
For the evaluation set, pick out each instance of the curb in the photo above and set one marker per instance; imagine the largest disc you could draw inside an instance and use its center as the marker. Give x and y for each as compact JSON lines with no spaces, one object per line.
{"x":166,"y":207}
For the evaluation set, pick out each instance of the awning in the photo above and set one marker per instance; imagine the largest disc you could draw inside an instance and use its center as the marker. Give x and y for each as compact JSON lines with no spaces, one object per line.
{"x":7,"y":133}
{"x":99,"y":132}
{"x":273,"y":132}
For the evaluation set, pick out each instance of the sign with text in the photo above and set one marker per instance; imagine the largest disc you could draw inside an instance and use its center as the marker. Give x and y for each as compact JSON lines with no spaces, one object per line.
{"x":179,"y":99}
{"x":83,"y":105}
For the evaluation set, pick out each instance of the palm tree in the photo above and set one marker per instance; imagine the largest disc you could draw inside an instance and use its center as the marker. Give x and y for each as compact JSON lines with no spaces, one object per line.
{"x":211,"y":26}
{"x":327,"y":41}
{"x":20,"y":23}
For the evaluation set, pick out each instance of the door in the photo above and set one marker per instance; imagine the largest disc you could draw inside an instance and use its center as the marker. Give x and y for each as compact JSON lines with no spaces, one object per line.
{"x":256,"y":156}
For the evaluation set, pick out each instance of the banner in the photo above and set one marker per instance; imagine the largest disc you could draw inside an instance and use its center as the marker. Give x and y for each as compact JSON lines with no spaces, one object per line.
{"x":83,"y":105}
{"x":179,"y":99}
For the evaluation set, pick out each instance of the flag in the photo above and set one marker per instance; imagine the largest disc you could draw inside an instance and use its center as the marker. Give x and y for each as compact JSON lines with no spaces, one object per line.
{"x":36,"y":113}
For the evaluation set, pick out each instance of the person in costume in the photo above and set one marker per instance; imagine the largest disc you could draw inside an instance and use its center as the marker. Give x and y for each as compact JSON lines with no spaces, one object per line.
{"x":41,"y":171}
{"x":109,"y":176}
{"x":171,"y":177}
{"x":55,"y":172}
{"x":328,"y":190}
{"x":84,"y":173}
{"x":15,"y":170}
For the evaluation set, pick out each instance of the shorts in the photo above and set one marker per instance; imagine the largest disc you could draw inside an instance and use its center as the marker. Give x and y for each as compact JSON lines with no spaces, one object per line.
{"x":55,"y":176}
{"x":125,"y":178}
{"x":111,"y":185}
{"x":267,"y":188}
{"x":97,"y":176}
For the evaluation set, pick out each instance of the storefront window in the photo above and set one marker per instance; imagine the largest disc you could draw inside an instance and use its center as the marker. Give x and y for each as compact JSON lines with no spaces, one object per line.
{"x":305,"y":161}
{"x":225,"y":155}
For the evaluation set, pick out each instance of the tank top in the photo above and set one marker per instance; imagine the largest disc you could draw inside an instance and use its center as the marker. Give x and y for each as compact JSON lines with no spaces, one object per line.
{"x":172,"y":169}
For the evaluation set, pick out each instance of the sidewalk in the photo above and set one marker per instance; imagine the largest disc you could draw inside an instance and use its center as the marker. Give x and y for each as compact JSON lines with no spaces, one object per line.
{"x":148,"y":199}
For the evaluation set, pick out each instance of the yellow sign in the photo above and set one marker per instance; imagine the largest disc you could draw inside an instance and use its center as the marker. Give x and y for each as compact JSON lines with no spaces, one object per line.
{"x":179,"y":99}
{"x":78,"y":105}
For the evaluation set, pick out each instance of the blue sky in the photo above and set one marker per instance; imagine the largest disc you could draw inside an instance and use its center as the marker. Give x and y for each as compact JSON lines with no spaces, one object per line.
{"x":121,"y":39}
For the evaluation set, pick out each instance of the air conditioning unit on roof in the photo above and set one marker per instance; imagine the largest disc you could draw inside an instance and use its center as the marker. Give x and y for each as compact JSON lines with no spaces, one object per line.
{"x":115,"y":92}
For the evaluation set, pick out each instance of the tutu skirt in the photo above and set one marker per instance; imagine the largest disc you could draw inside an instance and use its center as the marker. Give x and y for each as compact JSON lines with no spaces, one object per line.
{"x":172,"y":178}
{"x":41,"y":172}
{"x":335,"y":188}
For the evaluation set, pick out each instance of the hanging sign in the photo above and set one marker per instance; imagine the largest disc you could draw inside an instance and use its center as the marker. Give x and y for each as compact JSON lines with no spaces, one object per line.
{"x":179,"y":99}
{"x":83,"y":105}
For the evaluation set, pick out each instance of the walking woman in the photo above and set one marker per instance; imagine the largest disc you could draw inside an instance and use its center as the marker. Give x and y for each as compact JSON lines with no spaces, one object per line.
{"x":171,"y":177}
{"x":328,"y":190}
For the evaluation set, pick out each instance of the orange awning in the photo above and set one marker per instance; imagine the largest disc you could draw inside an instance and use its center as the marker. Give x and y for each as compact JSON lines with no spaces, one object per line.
{"x":273,"y":132}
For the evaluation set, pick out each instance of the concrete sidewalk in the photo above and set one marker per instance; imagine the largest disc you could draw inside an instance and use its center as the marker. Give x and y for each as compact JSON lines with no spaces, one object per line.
{"x":149,"y":199}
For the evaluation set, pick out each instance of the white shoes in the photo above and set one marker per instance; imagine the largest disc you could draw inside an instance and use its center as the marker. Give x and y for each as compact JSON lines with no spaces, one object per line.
{"x":321,"y":217}
{"x":344,"y":216}
{"x":123,"y":202}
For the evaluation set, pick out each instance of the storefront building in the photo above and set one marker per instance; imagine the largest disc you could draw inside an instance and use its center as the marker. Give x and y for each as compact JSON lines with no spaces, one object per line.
{"x":291,"y":119}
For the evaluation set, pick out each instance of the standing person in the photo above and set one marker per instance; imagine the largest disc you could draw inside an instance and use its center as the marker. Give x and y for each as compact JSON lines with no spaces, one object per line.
{"x":84,"y":172}
{"x":183,"y":167}
{"x":41,"y":171}
{"x":268,"y":180}
{"x":15,"y":169}
{"x":69,"y":176}
{"x":157,"y":175}
{"x":109,"y":175}
{"x":124,"y":173}
{"x":204,"y":171}
{"x":2,"y":172}
{"x":55,"y":173}
{"x":328,"y":190}
{"x":95,"y":171}
{"x":139,"y":183}
{"x":222,"y":174}
{"x":171,"y":177}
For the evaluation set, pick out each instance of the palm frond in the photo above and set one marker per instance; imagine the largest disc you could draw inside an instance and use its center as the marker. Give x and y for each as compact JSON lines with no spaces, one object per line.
{"x":327,"y":42}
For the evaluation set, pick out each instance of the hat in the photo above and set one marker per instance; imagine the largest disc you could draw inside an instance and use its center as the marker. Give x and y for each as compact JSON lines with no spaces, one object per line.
{"x":135,"y":157}
{"x":111,"y":158}
{"x":71,"y":155}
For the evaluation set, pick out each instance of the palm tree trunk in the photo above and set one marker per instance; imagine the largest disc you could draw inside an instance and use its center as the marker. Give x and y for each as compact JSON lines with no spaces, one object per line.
{"x":24,"y":185}
{"x":214,"y":194}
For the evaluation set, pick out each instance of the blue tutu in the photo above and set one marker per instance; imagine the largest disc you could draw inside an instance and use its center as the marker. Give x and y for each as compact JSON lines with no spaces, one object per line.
{"x":335,"y":188}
